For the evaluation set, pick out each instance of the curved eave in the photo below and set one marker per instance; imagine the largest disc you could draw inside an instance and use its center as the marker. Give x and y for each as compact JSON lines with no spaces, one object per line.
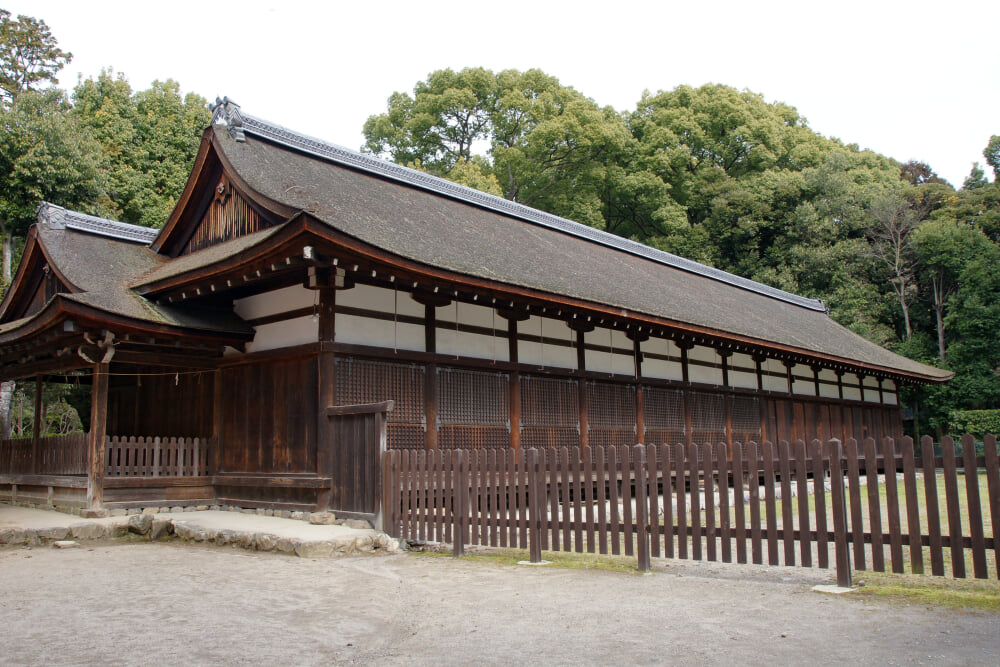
{"x":34,"y":251}
{"x":304,"y":229}
{"x":60,"y":309}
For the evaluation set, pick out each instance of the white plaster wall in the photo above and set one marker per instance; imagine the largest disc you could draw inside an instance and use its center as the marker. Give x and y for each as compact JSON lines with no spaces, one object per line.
{"x":889,"y":392}
{"x":704,"y":374}
{"x":299,"y":331}
{"x":747,"y":378}
{"x":802,"y":380}
{"x":472,"y":345}
{"x":379,"y":299}
{"x":472,"y":314}
{"x":828,"y":390}
{"x":664,"y":369}
{"x":774,"y":383}
{"x":272,"y":303}
{"x":743,"y":379}
{"x":620,"y":363}
{"x":379,"y":333}
{"x":851,"y":393}
{"x":551,"y":355}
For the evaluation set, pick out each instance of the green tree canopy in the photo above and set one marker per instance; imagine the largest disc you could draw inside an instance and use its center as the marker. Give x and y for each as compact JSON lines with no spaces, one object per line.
{"x":28,"y":55}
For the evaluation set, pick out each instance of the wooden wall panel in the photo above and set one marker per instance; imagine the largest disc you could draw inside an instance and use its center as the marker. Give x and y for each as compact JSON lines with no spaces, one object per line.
{"x":153,"y":401}
{"x":269,"y":417}
{"x":550,"y":412}
{"x":362,"y":381}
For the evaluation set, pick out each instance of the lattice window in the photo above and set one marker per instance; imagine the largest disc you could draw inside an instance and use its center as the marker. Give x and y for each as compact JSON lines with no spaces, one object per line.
{"x":472,"y":397}
{"x":611,"y":414}
{"x":473,"y":408}
{"x":746,"y":419}
{"x":708,"y":417}
{"x":664,"y":415}
{"x":361,"y":381}
{"x":548,"y":402}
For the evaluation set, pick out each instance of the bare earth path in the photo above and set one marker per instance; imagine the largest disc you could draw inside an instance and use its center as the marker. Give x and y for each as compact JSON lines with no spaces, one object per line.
{"x":183,"y":604}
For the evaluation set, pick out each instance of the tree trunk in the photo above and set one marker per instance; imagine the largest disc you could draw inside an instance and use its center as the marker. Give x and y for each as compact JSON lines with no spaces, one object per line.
{"x":7,"y":258}
{"x":938,"y":289}
{"x":6,"y":398}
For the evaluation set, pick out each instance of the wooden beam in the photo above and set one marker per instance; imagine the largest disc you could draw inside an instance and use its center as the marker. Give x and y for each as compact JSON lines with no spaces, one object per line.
{"x":430,"y":377}
{"x":583,"y":394}
{"x":36,"y":432}
{"x":515,"y":386}
{"x":640,"y":415}
{"x":326,"y":365}
{"x":95,"y":438}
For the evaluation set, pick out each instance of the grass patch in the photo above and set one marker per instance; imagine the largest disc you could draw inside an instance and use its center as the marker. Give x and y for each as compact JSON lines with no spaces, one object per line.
{"x":979,"y":594}
{"x":568,"y":561}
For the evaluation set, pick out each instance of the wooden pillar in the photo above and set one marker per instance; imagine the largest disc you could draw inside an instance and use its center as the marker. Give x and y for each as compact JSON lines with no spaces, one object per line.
{"x":881,"y":392}
{"x":581,"y":328}
{"x":95,"y":438}
{"x":686,"y":379}
{"x":816,"y":370}
{"x":727,"y":398}
{"x":640,"y":411}
{"x":217,"y":417}
{"x":788,"y":374}
{"x":430,"y":377}
{"x":758,"y":360}
{"x":515,"y":385}
{"x":326,"y":364}
{"x":36,"y":432}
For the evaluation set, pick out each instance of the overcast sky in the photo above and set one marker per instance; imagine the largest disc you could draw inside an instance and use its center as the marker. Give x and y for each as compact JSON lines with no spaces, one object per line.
{"x":913,"y":80}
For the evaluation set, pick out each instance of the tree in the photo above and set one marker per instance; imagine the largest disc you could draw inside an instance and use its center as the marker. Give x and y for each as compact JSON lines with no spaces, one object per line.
{"x":148,"y":141}
{"x":28,"y":55}
{"x":894,"y":219}
{"x":542,"y":143}
{"x":992,"y":155}
{"x":44,"y":156}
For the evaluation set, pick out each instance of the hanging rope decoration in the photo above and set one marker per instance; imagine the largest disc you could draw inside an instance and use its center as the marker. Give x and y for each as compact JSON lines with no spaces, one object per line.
{"x":456,"y":324}
{"x":493,"y":312}
{"x":395,"y":317}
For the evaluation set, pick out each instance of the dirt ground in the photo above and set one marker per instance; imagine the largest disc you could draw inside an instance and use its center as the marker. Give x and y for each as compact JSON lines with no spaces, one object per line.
{"x":178,"y":603}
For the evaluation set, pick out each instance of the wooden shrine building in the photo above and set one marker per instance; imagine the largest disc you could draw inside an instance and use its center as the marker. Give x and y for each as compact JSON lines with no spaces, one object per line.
{"x":305,"y":304}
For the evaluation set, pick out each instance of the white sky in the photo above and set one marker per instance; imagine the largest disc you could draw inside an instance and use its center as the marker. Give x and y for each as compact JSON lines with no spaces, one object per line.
{"x":913,"y":80}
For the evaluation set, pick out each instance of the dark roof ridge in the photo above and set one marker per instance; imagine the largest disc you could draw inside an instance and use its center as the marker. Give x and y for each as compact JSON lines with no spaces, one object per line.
{"x":238,"y":123}
{"x":61,"y":218}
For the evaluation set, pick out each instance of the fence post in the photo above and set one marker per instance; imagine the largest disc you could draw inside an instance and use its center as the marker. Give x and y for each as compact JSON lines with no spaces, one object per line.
{"x":834,"y":454}
{"x":534,"y":507}
{"x":458,"y":506}
{"x":641,"y":507}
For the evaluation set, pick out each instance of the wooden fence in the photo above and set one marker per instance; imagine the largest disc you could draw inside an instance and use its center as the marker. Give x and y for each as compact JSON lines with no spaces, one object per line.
{"x":156,"y":457}
{"x":796,"y":502}
{"x":55,"y":455}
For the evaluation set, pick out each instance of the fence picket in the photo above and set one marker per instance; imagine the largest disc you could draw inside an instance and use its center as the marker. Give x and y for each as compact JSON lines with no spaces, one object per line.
{"x":602,"y":490}
{"x":668,"y":500}
{"x":892,"y":504}
{"x":854,"y":493}
{"x":819,"y":498}
{"x":770,"y":508}
{"x":612,"y":469}
{"x":931,"y":506}
{"x":993,"y":488}
{"x":695,"y":504}
{"x":969,"y":469}
{"x":537,"y":506}
{"x":681,"y":475}
{"x":954,"y":511}
{"x":708,"y":474}
{"x":522,"y":499}
{"x":912,"y":507}
{"x":725,"y":532}
{"x":801,"y":478}
{"x":577,"y":465}
{"x":653,"y":467}
{"x":628,"y":523}
{"x":641,"y":505}
{"x":739,"y":504}
{"x":874,"y":505}
{"x":753,"y":480}
{"x":787,"y":508}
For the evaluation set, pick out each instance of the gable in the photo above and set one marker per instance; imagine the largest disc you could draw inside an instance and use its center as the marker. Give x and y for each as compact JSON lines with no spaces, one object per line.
{"x":35,"y":283}
{"x":215,"y":207}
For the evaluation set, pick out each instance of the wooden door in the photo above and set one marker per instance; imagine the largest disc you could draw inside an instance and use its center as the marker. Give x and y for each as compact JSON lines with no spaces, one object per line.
{"x":358,"y":438}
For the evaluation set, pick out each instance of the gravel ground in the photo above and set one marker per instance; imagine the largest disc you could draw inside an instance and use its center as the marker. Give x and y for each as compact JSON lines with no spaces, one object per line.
{"x":185,"y":604}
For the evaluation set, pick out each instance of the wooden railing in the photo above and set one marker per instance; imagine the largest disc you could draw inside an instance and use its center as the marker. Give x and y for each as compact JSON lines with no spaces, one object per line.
{"x":55,"y":455}
{"x":156,"y":457}
{"x":793,"y":501}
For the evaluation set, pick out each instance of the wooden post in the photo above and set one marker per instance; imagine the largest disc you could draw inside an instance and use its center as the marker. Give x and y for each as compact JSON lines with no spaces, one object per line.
{"x":430,"y":377}
{"x":583,"y":395}
{"x":217,"y":417}
{"x":36,"y":432}
{"x":536,"y":490}
{"x":686,"y":379}
{"x":325,"y":389}
{"x":515,"y":385}
{"x":727,"y":398}
{"x":834,"y":453}
{"x":95,"y":439}
{"x":640,"y":415}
